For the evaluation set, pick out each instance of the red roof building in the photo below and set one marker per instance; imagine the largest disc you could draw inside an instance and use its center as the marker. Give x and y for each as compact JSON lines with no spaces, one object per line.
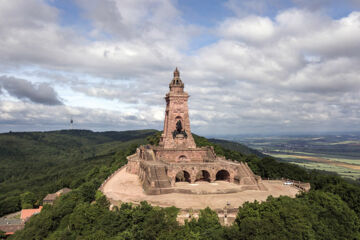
{"x":28,"y":213}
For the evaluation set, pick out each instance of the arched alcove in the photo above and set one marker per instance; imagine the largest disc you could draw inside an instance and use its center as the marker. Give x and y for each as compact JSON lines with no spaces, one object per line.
{"x":203,"y":175}
{"x":223,"y":175}
{"x":182,"y":158}
{"x":182,"y":176}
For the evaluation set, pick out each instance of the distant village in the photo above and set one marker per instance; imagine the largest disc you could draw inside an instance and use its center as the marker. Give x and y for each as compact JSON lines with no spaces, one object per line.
{"x":16,"y":221}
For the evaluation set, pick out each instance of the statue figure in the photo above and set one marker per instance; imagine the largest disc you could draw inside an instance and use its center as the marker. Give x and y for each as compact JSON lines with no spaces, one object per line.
{"x":178,"y":126}
{"x":179,"y":130}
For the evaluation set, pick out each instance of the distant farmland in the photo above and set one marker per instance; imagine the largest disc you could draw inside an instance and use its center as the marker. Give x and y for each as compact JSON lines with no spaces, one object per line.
{"x":344,"y":167}
{"x":333,"y":153}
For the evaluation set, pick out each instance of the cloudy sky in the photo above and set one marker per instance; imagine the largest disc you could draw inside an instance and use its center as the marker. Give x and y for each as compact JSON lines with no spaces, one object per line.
{"x":250,"y":66}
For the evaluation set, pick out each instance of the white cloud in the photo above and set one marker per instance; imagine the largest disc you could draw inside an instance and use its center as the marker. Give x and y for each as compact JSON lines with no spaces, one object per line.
{"x":150,"y":46}
{"x":295,"y":71}
{"x":248,"y":29}
{"x":15,"y":115}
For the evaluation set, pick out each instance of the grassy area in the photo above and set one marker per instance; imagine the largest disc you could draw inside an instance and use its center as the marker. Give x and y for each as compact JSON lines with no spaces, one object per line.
{"x":342,"y":171}
{"x":345,"y":160}
{"x":312,"y":161}
{"x":356,"y":160}
{"x":320,"y":157}
{"x":345,"y":142}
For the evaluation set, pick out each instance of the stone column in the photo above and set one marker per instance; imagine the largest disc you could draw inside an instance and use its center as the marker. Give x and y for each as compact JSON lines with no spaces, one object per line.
{"x":231,"y":178}
{"x":192,"y":179}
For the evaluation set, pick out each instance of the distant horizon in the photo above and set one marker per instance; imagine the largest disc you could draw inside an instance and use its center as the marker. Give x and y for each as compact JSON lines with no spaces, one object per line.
{"x":250,"y":67}
{"x":219,"y":136}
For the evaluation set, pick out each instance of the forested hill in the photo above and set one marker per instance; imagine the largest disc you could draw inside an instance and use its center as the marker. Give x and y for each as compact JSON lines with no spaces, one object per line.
{"x":44,"y":162}
{"x":234,"y":146}
{"x":34,"y":164}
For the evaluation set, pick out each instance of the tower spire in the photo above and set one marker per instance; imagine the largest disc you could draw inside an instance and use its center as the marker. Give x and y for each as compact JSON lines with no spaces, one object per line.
{"x":176,"y":82}
{"x":176,"y":72}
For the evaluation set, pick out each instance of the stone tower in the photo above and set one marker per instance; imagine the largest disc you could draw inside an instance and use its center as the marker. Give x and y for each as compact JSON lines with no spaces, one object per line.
{"x":177,"y":133}
{"x":177,"y":159}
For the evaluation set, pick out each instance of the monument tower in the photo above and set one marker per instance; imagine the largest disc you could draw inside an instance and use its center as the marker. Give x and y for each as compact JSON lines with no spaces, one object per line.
{"x":177,"y":133}
{"x":178,"y":159}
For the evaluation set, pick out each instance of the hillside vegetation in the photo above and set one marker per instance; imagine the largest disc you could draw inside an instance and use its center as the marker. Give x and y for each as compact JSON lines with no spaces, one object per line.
{"x":331,"y":210}
{"x":238,"y":147}
{"x":44,"y":162}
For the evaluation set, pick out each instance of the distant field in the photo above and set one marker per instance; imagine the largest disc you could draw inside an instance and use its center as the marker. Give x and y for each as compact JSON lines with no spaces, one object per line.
{"x":345,"y":167}
{"x":346,"y":142}
{"x":346,"y":163}
{"x":345,"y":160}
{"x":335,"y":153}
{"x":342,"y":171}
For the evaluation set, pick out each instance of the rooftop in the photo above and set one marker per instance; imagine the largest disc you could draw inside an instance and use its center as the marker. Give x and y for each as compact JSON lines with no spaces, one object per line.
{"x":10,"y":221}
{"x":53,"y":196}
{"x":50,"y":197}
{"x":63,"y":191}
{"x":27,"y":213}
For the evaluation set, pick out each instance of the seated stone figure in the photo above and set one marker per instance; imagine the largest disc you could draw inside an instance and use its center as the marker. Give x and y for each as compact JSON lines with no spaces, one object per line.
{"x":179,"y":130}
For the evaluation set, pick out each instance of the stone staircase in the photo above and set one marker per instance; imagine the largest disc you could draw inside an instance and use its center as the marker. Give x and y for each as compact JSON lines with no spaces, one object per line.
{"x":162,"y":180}
{"x":159,"y":181}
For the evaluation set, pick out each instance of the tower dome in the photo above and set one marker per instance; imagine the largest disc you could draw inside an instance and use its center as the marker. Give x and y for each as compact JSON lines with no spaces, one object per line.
{"x":176,"y":81}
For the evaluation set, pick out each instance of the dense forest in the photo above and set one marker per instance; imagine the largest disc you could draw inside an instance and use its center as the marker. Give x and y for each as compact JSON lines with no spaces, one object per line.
{"x":81,"y":160}
{"x":34,"y":164}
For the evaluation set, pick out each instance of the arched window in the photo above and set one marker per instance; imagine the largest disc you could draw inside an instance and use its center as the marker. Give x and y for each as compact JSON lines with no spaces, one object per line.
{"x":182,"y":158}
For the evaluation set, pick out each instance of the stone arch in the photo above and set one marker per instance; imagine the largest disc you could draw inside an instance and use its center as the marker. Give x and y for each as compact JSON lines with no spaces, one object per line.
{"x":182,"y":176}
{"x":223,"y":175}
{"x":182,"y":158}
{"x":203,"y":175}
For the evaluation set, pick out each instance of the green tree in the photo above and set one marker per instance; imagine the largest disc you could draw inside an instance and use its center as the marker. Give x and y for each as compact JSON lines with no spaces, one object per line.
{"x":316,"y":215}
{"x":28,"y":200}
{"x":207,"y":225}
{"x":2,"y":235}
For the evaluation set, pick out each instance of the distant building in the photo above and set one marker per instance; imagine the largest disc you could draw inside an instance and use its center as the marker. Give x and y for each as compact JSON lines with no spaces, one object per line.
{"x":26,"y":214}
{"x":10,"y":226}
{"x":50,"y":198}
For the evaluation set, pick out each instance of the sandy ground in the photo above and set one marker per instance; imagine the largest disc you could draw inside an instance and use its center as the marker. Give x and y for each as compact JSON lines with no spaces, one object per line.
{"x":126,"y":187}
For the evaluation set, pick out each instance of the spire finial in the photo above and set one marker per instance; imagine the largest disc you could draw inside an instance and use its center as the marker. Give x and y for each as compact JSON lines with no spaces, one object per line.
{"x":176,"y":81}
{"x":176,"y":72}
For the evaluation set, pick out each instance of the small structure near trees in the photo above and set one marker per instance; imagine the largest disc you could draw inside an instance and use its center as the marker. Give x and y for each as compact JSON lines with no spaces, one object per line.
{"x":51,"y":197}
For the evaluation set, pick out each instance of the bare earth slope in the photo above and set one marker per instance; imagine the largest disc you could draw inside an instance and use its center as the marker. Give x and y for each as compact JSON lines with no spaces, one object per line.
{"x":126,"y":187}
